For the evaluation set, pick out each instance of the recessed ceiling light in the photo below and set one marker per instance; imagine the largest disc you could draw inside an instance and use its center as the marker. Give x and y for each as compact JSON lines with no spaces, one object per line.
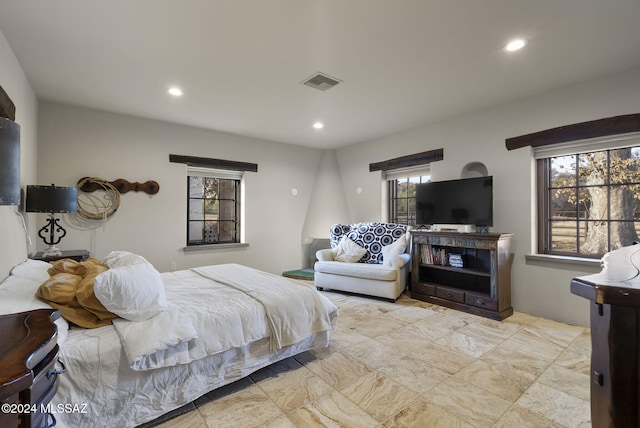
{"x":318,"y":125}
{"x":515,"y":45}
{"x":175,"y":91}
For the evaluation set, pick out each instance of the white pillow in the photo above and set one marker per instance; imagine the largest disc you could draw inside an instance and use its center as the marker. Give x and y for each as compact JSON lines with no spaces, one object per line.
{"x":389,"y":252}
{"x":348,"y":251}
{"x":134,"y":292}
{"x":35,"y":270}
{"x":18,"y":292}
{"x":122,"y":258}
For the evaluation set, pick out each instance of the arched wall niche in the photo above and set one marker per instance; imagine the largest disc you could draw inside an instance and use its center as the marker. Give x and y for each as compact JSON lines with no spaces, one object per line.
{"x":473,"y":170}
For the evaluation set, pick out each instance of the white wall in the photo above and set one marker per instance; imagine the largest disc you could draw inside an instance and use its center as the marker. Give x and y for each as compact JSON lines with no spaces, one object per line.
{"x":15,"y":84}
{"x":328,"y":205}
{"x":540,"y":289}
{"x":77,"y":142}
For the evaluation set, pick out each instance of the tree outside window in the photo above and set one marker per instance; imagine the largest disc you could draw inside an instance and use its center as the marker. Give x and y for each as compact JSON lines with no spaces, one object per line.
{"x":590,"y":204}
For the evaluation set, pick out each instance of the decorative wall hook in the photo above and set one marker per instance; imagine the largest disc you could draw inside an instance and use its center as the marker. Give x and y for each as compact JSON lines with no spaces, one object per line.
{"x":123,"y":186}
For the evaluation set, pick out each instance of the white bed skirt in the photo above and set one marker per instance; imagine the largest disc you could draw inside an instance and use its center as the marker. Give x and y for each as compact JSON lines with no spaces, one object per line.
{"x":122,"y":397}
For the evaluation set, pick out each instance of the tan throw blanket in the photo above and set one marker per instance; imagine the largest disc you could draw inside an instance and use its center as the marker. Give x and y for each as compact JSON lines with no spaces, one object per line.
{"x":70,"y":289}
{"x":294,"y":309}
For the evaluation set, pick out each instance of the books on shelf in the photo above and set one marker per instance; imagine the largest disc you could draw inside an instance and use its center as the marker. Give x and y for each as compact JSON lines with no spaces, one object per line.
{"x":439,"y":256}
{"x":433,"y":256}
{"x":456,"y":260}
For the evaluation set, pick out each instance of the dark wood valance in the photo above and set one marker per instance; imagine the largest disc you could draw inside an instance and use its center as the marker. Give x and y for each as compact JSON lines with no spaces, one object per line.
{"x":578,"y":131}
{"x":7,"y":108}
{"x":408,"y":161}
{"x":214,"y":163}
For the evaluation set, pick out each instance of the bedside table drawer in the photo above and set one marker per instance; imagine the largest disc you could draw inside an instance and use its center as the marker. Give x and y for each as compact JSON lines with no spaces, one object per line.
{"x":45,"y":382}
{"x":44,"y":387}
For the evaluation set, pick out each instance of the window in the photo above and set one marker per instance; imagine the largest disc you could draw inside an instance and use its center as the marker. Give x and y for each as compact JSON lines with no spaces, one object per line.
{"x":402,"y":174}
{"x":588,"y":202}
{"x":402,"y":198}
{"x":213,"y":206}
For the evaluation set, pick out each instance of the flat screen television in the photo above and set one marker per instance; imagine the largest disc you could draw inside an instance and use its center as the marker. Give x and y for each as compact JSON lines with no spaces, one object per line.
{"x":464,"y":201}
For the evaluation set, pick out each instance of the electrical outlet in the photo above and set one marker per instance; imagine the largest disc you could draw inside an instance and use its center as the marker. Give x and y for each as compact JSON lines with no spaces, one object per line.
{"x":173,"y":266}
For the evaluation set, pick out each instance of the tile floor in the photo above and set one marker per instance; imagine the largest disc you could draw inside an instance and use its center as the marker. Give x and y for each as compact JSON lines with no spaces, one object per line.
{"x":412,"y":364}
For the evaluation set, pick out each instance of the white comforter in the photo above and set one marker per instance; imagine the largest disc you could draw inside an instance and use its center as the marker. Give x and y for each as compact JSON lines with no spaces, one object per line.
{"x":196,"y":326}
{"x":294,"y":309}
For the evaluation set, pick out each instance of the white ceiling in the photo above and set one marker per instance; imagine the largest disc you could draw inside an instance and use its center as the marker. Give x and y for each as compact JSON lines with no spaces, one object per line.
{"x":241,"y":62}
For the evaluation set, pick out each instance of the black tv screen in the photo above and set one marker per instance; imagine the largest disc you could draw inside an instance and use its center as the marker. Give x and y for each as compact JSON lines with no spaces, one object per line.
{"x":465,"y":201}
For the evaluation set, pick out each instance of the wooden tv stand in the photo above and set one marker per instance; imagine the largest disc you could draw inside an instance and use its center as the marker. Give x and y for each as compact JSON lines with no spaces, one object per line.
{"x":482,"y":286}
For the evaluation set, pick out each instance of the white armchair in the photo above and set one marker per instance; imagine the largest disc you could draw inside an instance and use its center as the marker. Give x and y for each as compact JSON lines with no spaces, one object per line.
{"x":381,"y":270}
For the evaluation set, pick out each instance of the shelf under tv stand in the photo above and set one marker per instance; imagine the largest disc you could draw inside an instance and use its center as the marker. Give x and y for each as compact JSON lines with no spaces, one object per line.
{"x":482,"y":286}
{"x":470,"y":271}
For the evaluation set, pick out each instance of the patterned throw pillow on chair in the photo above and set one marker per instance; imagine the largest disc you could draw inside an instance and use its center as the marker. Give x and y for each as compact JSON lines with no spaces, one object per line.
{"x":348,"y":251}
{"x":391,"y":251}
{"x":371,"y":236}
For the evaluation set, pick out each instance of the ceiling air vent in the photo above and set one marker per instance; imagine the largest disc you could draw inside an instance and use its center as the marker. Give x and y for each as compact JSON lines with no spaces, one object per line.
{"x":321,"y":81}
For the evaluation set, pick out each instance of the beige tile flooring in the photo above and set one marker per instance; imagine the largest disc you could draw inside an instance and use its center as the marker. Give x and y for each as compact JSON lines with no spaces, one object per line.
{"x":412,"y":364}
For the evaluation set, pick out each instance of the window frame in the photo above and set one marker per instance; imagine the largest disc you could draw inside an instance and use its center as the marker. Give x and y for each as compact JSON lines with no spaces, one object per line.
{"x":417,"y":164}
{"x":237,"y":177}
{"x":543,"y":156}
{"x":392,"y":190}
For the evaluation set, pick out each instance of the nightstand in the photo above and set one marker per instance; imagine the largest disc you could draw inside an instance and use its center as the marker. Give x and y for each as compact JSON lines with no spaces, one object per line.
{"x":29,"y":374}
{"x":77,"y":255}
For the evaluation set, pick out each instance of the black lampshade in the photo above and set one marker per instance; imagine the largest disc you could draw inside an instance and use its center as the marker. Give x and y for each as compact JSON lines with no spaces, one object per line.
{"x":9,"y":162}
{"x":52,"y":199}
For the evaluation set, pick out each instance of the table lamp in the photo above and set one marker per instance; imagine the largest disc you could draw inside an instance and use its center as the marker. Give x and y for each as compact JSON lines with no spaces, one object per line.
{"x":52,"y":199}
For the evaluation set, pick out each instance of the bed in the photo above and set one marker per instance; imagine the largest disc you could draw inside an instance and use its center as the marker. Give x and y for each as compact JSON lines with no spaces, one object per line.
{"x":220,"y":324}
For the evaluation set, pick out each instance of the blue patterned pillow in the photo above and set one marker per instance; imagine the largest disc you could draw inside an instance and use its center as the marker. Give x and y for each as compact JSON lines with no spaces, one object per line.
{"x":337,"y":232}
{"x":371,"y":236}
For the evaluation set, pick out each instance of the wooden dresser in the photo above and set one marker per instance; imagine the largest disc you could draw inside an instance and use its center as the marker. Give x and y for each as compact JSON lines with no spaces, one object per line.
{"x":28,"y":368}
{"x":614,"y":296}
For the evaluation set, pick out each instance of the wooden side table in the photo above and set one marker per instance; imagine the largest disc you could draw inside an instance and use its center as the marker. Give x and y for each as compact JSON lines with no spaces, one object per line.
{"x":77,"y":255}
{"x":614,"y":300}
{"x":28,"y":373}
